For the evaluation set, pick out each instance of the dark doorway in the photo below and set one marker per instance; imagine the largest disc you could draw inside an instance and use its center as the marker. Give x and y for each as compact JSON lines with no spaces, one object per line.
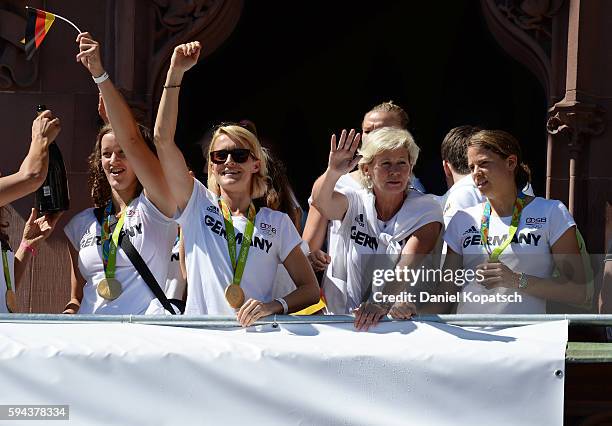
{"x":301,"y":71}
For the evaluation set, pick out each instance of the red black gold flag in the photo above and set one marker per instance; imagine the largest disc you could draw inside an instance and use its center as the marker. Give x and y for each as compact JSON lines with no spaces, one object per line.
{"x":38,"y":24}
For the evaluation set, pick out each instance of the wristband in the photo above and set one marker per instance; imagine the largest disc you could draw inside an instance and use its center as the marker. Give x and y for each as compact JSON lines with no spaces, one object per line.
{"x":284,"y":305}
{"x":171,"y":86}
{"x":101,"y":79}
{"x":27,"y":247}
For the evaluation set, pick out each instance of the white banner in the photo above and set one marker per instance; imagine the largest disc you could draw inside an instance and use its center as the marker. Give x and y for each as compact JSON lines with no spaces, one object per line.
{"x":400,"y":373}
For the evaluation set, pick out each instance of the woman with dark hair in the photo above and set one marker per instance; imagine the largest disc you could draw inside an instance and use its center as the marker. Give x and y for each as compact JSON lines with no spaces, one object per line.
{"x":27,"y":179}
{"x":232,"y":249}
{"x":131,"y":200}
{"x":512,"y":242}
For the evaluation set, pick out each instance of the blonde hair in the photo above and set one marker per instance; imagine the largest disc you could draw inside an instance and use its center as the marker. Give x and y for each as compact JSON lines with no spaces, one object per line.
{"x":392,"y":108}
{"x":385,"y":139}
{"x":246,"y":139}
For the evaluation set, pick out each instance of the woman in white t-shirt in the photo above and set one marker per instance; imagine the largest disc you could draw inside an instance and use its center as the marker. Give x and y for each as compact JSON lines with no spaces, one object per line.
{"x":132,"y":198}
{"x":384,"y":218}
{"x":218,"y":284}
{"x":30,"y":176}
{"x":509,"y":246}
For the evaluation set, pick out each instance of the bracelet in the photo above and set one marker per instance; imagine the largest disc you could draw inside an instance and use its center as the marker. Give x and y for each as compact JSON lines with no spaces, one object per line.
{"x":171,"y":86}
{"x":101,"y":79}
{"x":284,"y":305}
{"x":28,"y":247}
{"x":71,"y":303}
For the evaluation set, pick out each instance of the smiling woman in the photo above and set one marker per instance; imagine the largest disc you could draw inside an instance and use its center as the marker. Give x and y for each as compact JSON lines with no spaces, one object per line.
{"x":131,"y":202}
{"x":232,"y":250}
{"x":387,"y":218}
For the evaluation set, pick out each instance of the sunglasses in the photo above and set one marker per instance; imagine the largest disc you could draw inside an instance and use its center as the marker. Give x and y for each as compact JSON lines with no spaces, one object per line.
{"x":239,"y":155}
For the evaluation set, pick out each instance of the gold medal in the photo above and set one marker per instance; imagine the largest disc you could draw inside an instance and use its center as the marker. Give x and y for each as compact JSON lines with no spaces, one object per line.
{"x":109,"y":288}
{"x":11,"y":301}
{"x":234,"y":296}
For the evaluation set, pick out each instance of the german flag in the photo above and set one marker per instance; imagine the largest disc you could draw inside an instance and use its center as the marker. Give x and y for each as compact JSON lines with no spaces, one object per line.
{"x":38,"y":24}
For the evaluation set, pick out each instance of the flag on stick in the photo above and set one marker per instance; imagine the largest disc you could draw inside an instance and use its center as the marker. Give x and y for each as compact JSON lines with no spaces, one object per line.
{"x":37,"y":26}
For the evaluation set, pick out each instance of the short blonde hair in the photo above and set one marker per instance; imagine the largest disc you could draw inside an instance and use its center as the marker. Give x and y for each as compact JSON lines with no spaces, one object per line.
{"x":386,"y":139}
{"x":246,"y":139}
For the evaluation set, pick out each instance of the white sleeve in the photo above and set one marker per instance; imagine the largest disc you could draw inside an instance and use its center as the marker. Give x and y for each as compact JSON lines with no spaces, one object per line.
{"x":432,"y":212}
{"x":452,"y":234}
{"x":71,"y":231}
{"x":352,"y":210}
{"x":560,"y":221}
{"x":150,"y":211}
{"x":289,"y":237}
{"x":185,"y":217}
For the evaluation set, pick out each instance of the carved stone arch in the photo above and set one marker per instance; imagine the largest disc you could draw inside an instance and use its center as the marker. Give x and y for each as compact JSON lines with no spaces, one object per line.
{"x":524,"y":28}
{"x":208,"y":21}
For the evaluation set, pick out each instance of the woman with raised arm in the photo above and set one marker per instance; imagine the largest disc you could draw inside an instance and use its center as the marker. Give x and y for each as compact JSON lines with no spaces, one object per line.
{"x":385,"y":218}
{"x":27,"y":179}
{"x":512,"y":243}
{"x":232,"y":250}
{"x":131,"y":200}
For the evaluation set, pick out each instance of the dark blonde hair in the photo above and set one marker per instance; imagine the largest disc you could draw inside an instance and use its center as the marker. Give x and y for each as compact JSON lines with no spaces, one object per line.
{"x":245,"y":138}
{"x":99,"y":188}
{"x":390,"y":107}
{"x":503,"y":144}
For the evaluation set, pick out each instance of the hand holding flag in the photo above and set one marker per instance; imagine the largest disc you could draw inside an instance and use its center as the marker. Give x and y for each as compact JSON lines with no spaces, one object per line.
{"x":89,"y":54}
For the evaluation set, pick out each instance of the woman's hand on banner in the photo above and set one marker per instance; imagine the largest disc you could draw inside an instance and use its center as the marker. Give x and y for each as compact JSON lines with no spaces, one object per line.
{"x":252,"y":310}
{"x":368,"y":314}
{"x":403,"y":311}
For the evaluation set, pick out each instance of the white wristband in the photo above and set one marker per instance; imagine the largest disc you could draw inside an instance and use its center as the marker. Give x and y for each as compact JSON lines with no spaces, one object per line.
{"x":100,"y":79}
{"x":284,"y":304}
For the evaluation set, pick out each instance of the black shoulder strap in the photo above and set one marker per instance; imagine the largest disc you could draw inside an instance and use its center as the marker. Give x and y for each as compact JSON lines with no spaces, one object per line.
{"x":140,"y":265}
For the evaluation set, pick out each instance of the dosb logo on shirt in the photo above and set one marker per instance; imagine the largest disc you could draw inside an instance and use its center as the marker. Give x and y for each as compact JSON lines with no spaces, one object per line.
{"x":535,"y":222}
{"x":132,"y":212}
{"x":213,"y":209}
{"x":267,"y":229}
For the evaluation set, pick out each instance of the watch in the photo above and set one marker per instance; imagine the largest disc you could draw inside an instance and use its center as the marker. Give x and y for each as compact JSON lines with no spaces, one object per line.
{"x":522,"y":281}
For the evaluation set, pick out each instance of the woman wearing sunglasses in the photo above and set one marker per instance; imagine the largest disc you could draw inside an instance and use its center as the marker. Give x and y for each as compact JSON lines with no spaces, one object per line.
{"x":131,"y":199}
{"x":379,"y":223}
{"x":513,"y":242}
{"x":30,"y":176}
{"x":232,"y":250}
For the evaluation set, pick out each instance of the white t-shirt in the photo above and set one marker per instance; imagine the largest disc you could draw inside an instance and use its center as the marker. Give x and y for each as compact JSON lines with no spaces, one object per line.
{"x":283,"y":284}
{"x":460,"y":196}
{"x":542,"y":223}
{"x":151,"y":233}
{"x":175,"y":283}
{"x":365,"y":235}
{"x":10,"y":257}
{"x":345,"y":184}
{"x":209,"y":267}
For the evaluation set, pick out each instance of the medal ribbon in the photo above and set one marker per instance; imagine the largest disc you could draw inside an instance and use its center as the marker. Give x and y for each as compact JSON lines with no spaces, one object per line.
{"x":238,"y":264}
{"x":110,"y":243}
{"x":519,"y":204}
{"x":7,"y":273}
